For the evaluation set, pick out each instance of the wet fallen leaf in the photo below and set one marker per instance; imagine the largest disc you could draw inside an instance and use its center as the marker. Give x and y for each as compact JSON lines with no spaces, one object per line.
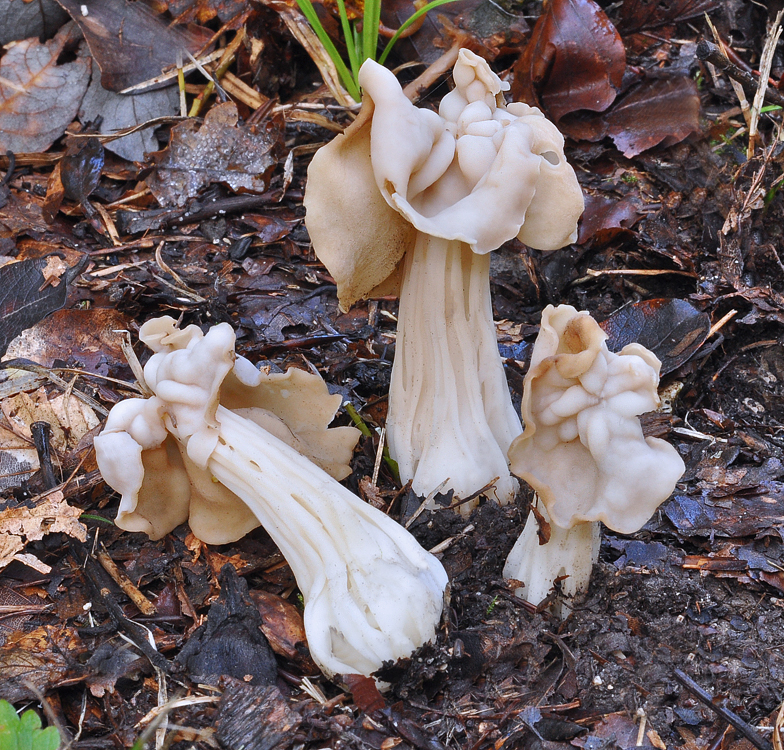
{"x":605,"y":218}
{"x":26,"y":297}
{"x":118,"y":111}
{"x":240,"y":156}
{"x":91,"y":339}
{"x":21,"y":213}
{"x":38,"y":97}
{"x":130,"y":43}
{"x":657,"y":112}
{"x":574,"y":61}
{"x":23,"y":19}
{"x":285,"y":630}
{"x":671,"y":328}
{"x":22,"y":524}
{"x":35,"y":662}
{"x":636,"y":15}
{"x":80,"y":168}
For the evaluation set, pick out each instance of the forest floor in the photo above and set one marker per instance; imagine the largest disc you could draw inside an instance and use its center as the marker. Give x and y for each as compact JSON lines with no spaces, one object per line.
{"x":680,"y":248}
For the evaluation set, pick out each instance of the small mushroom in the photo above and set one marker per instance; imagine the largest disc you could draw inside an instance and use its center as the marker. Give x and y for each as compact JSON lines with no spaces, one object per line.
{"x":583,"y":450}
{"x":410,"y":199}
{"x":372,"y":594}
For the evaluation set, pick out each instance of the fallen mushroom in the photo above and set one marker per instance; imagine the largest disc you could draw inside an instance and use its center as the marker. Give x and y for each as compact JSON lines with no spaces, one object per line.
{"x":410,"y":196}
{"x":583,"y":450}
{"x":371,"y":593}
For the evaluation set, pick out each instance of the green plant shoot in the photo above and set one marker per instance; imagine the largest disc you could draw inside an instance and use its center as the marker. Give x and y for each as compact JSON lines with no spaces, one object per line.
{"x":25,"y":733}
{"x":360,"y":46}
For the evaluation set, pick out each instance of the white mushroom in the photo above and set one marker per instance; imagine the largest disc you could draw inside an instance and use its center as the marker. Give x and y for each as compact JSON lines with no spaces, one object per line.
{"x":371,"y":593}
{"x":583,"y":450}
{"x":407,"y":192}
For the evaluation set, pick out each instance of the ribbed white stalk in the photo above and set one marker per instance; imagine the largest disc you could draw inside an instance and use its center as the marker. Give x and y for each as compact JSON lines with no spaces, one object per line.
{"x":371,"y":593}
{"x":450,"y":413}
{"x":570,"y":552}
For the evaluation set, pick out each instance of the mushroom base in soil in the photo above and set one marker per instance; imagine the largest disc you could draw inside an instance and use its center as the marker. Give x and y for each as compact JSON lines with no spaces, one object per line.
{"x":371,"y":593}
{"x":413,"y":201}
{"x":583,"y":449}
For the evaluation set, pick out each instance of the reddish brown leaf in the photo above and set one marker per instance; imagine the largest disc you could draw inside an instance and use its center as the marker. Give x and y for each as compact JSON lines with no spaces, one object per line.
{"x":364,"y":692}
{"x":284,"y":628}
{"x":657,"y":112}
{"x":605,"y":218}
{"x":38,"y":97}
{"x":671,"y":328}
{"x":636,"y":15}
{"x":128,"y":41}
{"x":574,"y":61}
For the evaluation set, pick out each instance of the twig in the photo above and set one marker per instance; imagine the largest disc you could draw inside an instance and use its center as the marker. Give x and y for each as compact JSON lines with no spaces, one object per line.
{"x":709,"y":52}
{"x":732,"y":718}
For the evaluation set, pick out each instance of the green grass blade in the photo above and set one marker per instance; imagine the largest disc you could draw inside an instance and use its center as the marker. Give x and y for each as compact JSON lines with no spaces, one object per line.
{"x":306,"y":6}
{"x":418,"y":14}
{"x":351,"y":47}
{"x":370,"y":22}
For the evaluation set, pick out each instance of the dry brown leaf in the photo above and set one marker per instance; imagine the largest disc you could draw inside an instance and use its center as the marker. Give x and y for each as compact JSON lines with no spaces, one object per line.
{"x":38,"y":97}
{"x":22,"y":524}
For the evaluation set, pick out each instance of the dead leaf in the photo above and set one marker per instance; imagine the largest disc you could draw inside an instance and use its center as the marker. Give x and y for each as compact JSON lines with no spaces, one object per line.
{"x":38,"y":97}
{"x":22,"y":524}
{"x":574,"y":61}
{"x":118,"y":111}
{"x":671,"y":328}
{"x":34,"y":663}
{"x":129,"y":41}
{"x":91,"y":339}
{"x":201,"y":11}
{"x":26,"y":298}
{"x":220,"y":150}
{"x":636,"y":15}
{"x":657,"y":112}
{"x":284,"y":628}
{"x":605,"y":218}
{"x":23,"y":19}
{"x":22,"y":213}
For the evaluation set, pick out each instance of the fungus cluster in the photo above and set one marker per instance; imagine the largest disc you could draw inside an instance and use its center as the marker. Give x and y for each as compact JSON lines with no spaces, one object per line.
{"x":410,"y":199}
{"x":583,"y":450}
{"x":217,"y":444}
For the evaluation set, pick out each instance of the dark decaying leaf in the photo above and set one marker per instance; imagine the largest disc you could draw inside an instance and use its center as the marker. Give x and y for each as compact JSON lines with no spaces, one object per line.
{"x":657,"y":112}
{"x":240,"y":156}
{"x":117,"y":111}
{"x":130,"y":43}
{"x":671,"y":328}
{"x":38,"y":97}
{"x":26,"y":297}
{"x":23,"y":19}
{"x":574,"y":61}
{"x":80,"y":168}
{"x":605,"y":218}
{"x":25,"y":674}
{"x":230,"y":642}
{"x":737,"y":516}
{"x":254,"y":717}
{"x":636,"y":15}
{"x":365,"y":692}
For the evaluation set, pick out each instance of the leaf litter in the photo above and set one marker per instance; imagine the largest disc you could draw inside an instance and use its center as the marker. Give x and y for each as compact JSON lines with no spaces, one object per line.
{"x":679,"y":248}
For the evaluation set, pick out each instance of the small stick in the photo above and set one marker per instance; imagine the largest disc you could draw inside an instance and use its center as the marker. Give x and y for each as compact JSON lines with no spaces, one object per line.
{"x":729,"y":716}
{"x":143,"y":604}
{"x":709,"y":52}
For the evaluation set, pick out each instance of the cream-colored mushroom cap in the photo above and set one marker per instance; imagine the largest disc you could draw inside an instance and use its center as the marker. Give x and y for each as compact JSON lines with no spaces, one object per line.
{"x":583,"y":449}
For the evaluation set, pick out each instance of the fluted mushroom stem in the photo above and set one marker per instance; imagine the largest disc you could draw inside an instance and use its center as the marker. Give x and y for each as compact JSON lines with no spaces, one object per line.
{"x":570,"y":552}
{"x":450,"y":413}
{"x":371,"y":593}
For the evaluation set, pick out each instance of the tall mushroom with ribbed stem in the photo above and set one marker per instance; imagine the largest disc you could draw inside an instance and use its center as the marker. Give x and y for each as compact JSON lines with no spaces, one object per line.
{"x":371,"y":593}
{"x":414,"y":200}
